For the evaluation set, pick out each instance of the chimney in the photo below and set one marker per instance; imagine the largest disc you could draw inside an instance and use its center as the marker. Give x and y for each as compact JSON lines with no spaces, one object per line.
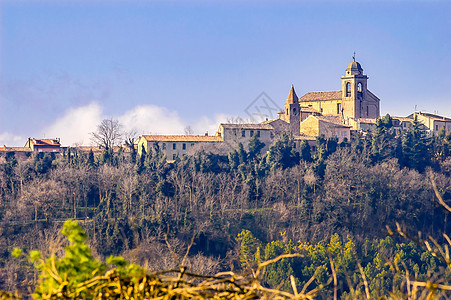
{"x":206,"y":133}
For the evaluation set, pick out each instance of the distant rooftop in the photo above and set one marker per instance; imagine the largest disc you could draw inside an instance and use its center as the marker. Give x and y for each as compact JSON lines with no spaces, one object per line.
{"x":263,"y":126}
{"x":182,"y":138}
{"x":319,"y":96}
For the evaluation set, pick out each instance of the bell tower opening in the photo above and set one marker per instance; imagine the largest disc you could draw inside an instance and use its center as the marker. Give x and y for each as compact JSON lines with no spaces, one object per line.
{"x":348,"y":89}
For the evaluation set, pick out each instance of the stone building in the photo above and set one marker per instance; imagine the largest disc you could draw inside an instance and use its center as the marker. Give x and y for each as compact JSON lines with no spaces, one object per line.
{"x":173,"y":146}
{"x":433,"y":123}
{"x":331,"y":113}
{"x":43,"y":145}
{"x":233,"y":134}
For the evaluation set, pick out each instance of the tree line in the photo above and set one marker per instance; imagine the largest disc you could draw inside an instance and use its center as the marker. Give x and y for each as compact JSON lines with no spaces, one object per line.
{"x":342,"y":193}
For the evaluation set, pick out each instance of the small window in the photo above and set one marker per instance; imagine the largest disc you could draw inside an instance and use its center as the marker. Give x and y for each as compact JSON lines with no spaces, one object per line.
{"x":287,"y":111}
{"x":359,"y":87}
{"x":174,"y":146}
{"x":174,"y":156}
{"x":436,"y":127}
{"x":294,"y":111}
{"x":252,"y":133}
{"x":164,"y":146}
{"x":348,"y":89}
{"x":192,"y":144}
{"x":367,"y":111}
{"x":243,"y":133}
{"x":294,"y":145}
{"x":184,"y":146}
{"x":338,"y":108}
{"x":258,"y":133}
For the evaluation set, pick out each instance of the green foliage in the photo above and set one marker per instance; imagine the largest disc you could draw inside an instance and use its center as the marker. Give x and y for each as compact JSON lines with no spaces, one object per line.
{"x":77,"y":265}
{"x":281,"y":154}
{"x":249,"y":249}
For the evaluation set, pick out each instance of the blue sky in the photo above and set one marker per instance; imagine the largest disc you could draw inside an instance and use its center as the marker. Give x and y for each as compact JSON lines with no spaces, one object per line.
{"x":159,"y":66}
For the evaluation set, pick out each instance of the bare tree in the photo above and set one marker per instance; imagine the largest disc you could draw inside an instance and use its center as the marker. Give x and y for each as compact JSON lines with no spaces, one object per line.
{"x":188,"y":130}
{"x":108,"y":134}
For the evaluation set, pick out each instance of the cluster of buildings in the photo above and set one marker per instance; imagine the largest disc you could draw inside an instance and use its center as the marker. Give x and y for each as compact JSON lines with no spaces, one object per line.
{"x":328,"y":113}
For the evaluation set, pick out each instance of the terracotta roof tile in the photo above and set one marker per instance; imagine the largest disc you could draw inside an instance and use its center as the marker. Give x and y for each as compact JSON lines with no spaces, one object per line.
{"x":434,"y":117}
{"x":15,"y":149}
{"x":45,"y":142}
{"x":182,"y":138}
{"x":263,"y":126}
{"x":321,"y":96}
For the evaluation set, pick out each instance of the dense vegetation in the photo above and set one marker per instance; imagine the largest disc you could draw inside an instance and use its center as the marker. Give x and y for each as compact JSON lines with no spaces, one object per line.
{"x":331,"y":205}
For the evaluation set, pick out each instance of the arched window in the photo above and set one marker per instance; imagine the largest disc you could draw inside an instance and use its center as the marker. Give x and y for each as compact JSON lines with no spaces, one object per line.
{"x":359,"y":87}
{"x":348,"y":89}
{"x":294,"y":111}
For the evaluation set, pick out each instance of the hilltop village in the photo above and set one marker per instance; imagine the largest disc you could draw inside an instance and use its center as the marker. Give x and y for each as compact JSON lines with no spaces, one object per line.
{"x":329,"y":181}
{"x":337,"y":114}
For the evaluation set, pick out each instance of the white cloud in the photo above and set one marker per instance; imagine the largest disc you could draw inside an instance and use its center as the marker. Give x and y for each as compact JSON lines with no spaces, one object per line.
{"x":146,"y":119}
{"x":206,"y":124}
{"x":9,"y":139}
{"x":75,"y":126}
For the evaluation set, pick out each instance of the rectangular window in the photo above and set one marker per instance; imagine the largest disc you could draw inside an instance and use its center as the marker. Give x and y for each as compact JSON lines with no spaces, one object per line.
{"x":294,"y":145}
{"x":174,"y":145}
{"x":164,"y":146}
{"x":243,"y":133}
{"x":338,"y":108}
{"x":184,"y":146}
{"x":174,"y":156}
{"x":367,"y":111}
{"x":436,"y":127}
{"x":252,"y":133}
{"x":192,"y":144}
{"x":258,"y":133}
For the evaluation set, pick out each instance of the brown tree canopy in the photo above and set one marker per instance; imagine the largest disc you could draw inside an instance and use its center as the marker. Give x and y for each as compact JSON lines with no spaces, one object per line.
{"x":108,"y":134}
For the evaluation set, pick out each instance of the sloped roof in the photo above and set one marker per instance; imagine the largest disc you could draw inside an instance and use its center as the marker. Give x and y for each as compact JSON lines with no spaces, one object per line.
{"x":321,"y":96}
{"x":269,"y":122}
{"x":403,"y":119}
{"x":334,"y":120}
{"x":432,"y":116}
{"x":308,"y":109}
{"x":15,"y":149}
{"x":371,"y":94}
{"x":261,"y":126}
{"x":45,"y":142}
{"x":182,"y":138}
{"x":292,"y":97}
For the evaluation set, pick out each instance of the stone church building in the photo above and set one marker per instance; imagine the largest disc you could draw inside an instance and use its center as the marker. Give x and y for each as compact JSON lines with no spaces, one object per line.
{"x":331,"y":113}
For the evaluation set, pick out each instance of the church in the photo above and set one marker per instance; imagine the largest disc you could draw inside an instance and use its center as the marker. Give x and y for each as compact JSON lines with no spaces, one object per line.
{"x":331,"y":113}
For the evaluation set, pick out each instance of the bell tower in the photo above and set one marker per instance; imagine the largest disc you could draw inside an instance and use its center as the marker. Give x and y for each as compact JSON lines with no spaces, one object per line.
{"x":292,"y":111}
{"x":354,"y":92}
